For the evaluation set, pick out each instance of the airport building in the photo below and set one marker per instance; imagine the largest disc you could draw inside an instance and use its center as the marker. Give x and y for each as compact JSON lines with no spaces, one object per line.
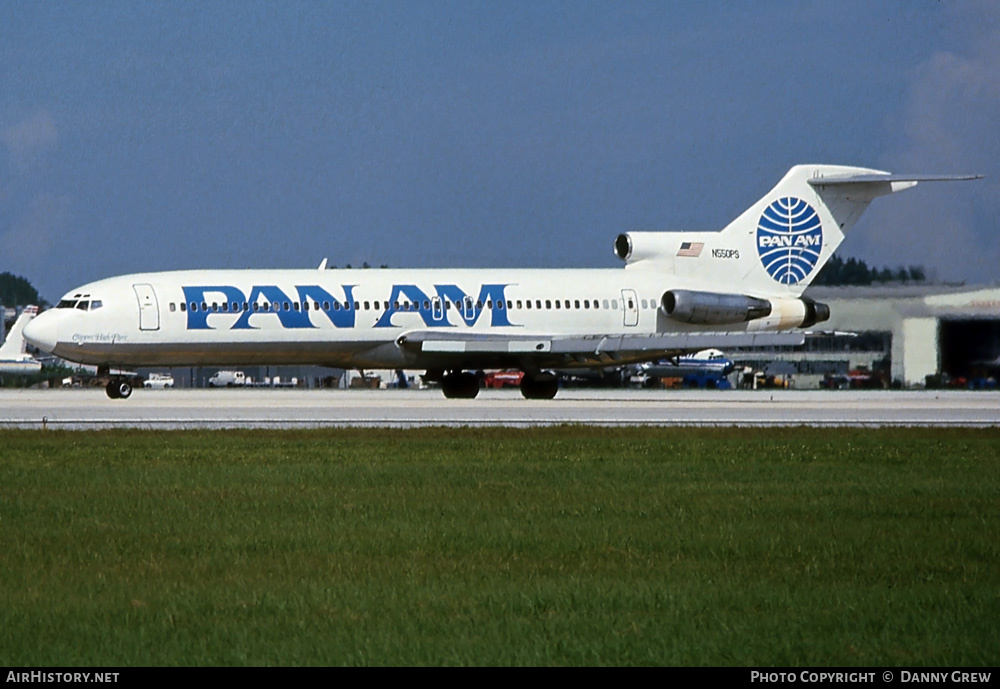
{"x":907,"y":335}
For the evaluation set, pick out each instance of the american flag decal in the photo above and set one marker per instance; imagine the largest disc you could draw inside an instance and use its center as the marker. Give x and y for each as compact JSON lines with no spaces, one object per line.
{"x":692,"y":249}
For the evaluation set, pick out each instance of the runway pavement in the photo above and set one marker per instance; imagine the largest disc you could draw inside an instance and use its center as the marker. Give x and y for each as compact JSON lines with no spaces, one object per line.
{"x":282,"y":408}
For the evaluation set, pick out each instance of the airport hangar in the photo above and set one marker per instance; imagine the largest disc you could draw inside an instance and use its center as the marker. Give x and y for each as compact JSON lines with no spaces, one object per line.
{"x":906,"y":331}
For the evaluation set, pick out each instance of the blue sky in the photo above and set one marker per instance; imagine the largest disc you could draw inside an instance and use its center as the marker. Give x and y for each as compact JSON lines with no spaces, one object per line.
{"x":155,"y":136}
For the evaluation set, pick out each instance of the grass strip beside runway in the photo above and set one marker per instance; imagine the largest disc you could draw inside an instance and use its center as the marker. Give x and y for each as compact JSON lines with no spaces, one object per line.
{"x":570,"y":546}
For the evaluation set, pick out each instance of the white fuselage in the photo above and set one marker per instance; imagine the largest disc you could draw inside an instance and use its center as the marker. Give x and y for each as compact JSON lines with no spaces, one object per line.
{"x":346,"y":318}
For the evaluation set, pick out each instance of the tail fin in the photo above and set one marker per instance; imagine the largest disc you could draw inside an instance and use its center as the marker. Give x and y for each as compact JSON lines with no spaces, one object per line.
{"x":778,"y":245}
{"x":14,"y":345}
{"x":793,"y":231}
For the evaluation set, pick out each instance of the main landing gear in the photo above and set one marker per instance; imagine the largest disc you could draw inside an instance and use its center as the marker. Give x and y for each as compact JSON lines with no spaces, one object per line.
{"x":460,"y":385}
{"x":465,"y":385}
{"x":541,"y":386}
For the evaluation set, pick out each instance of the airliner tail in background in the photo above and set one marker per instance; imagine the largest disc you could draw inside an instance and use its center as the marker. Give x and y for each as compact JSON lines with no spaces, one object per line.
{"x":14,"y":359}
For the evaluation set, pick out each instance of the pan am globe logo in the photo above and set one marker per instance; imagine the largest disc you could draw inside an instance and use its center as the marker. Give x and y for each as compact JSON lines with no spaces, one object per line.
{"x":789,"y":239}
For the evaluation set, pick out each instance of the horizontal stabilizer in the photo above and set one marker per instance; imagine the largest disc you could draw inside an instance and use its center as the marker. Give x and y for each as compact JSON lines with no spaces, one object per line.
{"x":869,"y":179}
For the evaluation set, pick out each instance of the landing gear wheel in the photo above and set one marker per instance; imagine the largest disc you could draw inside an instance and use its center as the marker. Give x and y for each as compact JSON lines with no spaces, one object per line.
{"x":118,"y":389}
{"x":458,"y":385}
{"x":542,"y":387}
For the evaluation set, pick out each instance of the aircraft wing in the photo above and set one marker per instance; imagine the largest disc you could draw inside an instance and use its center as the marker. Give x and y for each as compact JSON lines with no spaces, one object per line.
{"x":585,"y":350}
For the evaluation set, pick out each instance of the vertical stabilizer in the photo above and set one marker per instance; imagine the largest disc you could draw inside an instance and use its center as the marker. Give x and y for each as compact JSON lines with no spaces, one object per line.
{"x":14,"y":346}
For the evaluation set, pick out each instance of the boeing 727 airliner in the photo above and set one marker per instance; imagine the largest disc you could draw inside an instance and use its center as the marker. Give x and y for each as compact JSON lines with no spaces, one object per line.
{"x":679,"y":292}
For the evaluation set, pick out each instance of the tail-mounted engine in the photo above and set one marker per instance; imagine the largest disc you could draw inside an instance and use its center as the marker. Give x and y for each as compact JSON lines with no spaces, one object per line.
{"x":633,"y":247}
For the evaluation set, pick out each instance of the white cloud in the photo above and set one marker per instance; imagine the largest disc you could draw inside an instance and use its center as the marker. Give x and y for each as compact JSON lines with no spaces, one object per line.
{"x":948,"y":125}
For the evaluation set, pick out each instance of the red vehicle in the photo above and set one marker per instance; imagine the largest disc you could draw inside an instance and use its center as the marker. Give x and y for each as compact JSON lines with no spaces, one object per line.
{"x":503,"y":379}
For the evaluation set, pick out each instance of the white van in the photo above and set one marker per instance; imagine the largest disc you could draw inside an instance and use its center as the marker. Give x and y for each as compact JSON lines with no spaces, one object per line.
{"x":228,"y":379}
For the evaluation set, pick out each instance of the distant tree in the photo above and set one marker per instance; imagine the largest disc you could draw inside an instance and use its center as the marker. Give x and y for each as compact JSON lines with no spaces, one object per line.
{"x":17,"y":291}
{"x":854,"y":271}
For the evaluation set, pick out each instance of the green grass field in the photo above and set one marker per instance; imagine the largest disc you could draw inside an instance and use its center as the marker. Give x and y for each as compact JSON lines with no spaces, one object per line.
{"x":564,"y":546}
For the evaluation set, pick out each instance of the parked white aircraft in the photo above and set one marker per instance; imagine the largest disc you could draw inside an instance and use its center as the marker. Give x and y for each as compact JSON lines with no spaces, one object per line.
{"x":14,"y":360}
{"x":679,"y":292}
{"x":705,"y":361}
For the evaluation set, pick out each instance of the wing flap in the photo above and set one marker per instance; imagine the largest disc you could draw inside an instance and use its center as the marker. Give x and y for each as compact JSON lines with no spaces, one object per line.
{"x":611,"y":346}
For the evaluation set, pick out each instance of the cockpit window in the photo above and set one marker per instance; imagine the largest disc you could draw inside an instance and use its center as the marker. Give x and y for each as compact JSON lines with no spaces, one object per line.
{"x":96,"y":304}
{"x":82,"y":305}
{"x":66,"y":304}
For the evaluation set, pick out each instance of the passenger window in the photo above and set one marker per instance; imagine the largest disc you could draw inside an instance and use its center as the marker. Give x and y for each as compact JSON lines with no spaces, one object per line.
{"x":614,"y":303}
{"x":548,"y":303}
{"x":586,"y":303}
{"x":183,"y":306}
{"x":605,"y":303}
{"x":567,"y":303}
{"x":557,"y":303}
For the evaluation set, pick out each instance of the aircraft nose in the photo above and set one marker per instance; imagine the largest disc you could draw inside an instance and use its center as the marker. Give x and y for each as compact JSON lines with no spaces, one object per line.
{"x":42,"y":332}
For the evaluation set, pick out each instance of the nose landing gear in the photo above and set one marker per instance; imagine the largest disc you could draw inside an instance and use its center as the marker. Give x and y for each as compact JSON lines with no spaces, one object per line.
{"x":119,"y":389}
